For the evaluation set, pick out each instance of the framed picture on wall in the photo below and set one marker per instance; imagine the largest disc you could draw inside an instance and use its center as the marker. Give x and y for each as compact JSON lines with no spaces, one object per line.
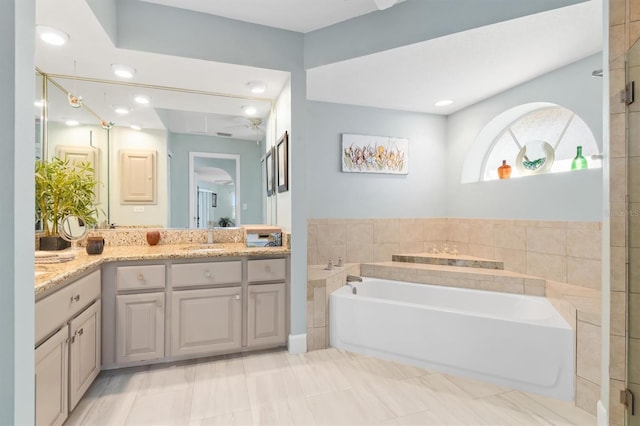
{"x":282,"y":153}
{"x":269,"y":170}
{"x":214,"y":199}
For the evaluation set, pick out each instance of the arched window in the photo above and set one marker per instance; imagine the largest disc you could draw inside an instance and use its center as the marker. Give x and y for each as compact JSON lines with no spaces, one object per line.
{"x":535,"y":126}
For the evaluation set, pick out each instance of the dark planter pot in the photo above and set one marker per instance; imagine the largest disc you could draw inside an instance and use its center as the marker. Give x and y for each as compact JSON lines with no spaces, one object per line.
{"x":53,"y":243}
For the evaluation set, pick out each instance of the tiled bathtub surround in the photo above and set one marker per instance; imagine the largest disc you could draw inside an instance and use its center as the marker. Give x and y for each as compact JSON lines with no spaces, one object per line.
{"x":556,"y":250}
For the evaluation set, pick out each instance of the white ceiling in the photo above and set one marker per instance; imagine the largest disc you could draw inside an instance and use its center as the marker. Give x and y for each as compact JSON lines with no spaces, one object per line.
{"x":466,"y":67}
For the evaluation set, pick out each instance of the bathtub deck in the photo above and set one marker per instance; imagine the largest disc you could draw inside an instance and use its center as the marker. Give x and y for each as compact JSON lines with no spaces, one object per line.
{"x":448,"y":260}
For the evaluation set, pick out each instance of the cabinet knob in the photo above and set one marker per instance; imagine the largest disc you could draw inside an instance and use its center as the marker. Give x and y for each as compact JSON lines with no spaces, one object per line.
{"x":75,"y":298}
{"x":237,"y":297}
{"x":80,"y":331}
{"x":140,"y":277}
{"x":207,"y":274}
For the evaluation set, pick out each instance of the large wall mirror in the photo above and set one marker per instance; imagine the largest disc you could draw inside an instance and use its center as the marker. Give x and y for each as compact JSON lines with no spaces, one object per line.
{"x":134,"y":133}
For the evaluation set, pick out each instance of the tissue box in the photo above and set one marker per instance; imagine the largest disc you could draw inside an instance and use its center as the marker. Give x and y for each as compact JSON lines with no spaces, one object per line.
{"x":271,"y":239}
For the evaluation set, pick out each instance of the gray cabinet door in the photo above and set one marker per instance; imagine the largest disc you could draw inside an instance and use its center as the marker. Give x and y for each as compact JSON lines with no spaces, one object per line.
{"x":139,"y":327}
{"x":84,"y":352}
{"x":207,"y":320}
{"x":51,"y":379}
{"x":266,"y":316}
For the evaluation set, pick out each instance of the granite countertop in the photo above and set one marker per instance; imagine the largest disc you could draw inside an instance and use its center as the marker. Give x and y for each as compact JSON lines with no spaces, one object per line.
{"x":51,"y":275}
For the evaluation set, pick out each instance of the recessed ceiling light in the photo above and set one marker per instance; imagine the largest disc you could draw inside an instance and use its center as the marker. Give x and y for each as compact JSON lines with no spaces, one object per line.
{"x":142,"y":99}
{"x":249,"y":110}
{"x":136,"y":127}
{"x":444,"y":102}
{"x":71,"y":122}
{"x":123,"y":71}
{"x":257,"y":86}
{"x":51,"y":35}
{"x":121,"y":110}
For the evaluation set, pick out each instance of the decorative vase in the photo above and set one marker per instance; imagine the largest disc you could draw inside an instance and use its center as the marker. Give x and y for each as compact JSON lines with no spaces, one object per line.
{"x":504,"y":171}
{"x":95,"y":245}
{"x":579,"y":162}
{"x":53,"y":243}
{"x":153,"y":237}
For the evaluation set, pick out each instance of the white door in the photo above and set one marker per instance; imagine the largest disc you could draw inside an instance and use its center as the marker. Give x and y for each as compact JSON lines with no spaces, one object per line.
{"x":84,"y":352}
{"x":206,"y":320}
{"x":51,"y":379}
{"x":139,"y":327}
{"x":266,"y":316}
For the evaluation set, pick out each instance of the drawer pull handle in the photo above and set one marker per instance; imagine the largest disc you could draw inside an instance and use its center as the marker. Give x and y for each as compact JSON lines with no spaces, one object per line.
{"x":140,"y":277}
{"x":80,"y":332}
{"x":207,"y":274}
{"x":75,"y":298}
{"x":237,"y":297}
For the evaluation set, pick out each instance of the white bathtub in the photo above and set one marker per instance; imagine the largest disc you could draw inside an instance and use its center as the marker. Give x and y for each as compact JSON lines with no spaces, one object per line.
{"x":509,"y":339}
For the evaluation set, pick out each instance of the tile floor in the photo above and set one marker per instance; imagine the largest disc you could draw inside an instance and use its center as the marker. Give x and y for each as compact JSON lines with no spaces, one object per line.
{"x":326,"y":387}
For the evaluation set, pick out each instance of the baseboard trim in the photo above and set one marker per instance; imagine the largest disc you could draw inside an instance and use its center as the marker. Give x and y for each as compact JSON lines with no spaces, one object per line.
{"x":297,"y":343}
{"x":602,"y":415}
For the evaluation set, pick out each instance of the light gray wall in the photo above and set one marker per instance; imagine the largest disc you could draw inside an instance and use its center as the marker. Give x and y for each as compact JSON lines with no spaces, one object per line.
{"x":17,"y":84}
{"x":335,"y":194}
{"x":412,"y":21}
{"x":561,"y":196}
{"x":180,"y":145}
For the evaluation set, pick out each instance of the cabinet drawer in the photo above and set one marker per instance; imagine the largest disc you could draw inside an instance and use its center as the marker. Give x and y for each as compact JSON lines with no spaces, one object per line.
{"x":57,"y":308}
{"x":190,"y":274}
{"x":267,"y":270}
{"x":140,"y":277}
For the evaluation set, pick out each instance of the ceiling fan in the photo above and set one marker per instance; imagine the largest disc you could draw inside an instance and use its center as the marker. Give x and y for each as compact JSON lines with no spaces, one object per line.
{"x":252,"y":123}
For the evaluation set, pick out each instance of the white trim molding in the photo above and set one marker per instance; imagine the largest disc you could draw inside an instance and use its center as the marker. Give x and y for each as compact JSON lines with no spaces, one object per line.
{"x":297,"y":343}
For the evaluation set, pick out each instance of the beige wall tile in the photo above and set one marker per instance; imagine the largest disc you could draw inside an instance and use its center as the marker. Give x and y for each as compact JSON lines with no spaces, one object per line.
{"x":619,"y":268}
{"x":359,"y":233}
{"x":312,"y":255}
{"x":634,"y":354}
{"x":510,"y":236}
{"x":503,"y":287}
{"x":326,"y":253}
{"x":617,"y":137}
{"x":310,"y":310}
{"x":587,"y":395}
{"x":634,"y":32}
{"x":634,"y":271}
{"x":434,"y":230}
{"x":616,"y":76}
{"x":319,"y":338}
{"x":618,"y":313}
{"x":588,"y":352}
{"x":481,"y":233}
{"x":384,"y":252}
{"x":485,"y":252}
{"x":411,"y":230}
{"x":534,"y":287}
{"x":412,"y":247}
{"x":319,"y":307}
{"x":618,"y":184}
{"x":634,"y":129}
{"x":386,"y":231}
{"x":457,"y":230}
{"x":634,"y":315}
{"x":634,"y":178}
{"x":617,"y":358}
{"x":310,"y":339}
{"x":633,"y":229}
{"x":617,"y":12}
{"x":359,"y":253}
{"x":617,"y":225}
{"x":586,"y":243}
{"x":634,"y":10}
{"x":547,"y":240}
{"x":312,"y":234}
{"x":549,"y":266}
{"x":514,"y":260}
{"x":332,"y":234}
{"x":616,"y":409}
{"x":584,"y":272}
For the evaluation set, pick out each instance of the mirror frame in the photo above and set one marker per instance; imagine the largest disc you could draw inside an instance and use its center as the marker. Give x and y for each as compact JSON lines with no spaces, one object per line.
{"x":192,"y":183}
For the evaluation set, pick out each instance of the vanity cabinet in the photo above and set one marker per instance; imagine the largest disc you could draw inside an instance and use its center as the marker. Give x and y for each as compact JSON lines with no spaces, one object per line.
{"x":140,"y":313}
{"x":266,"y":324}
{"x":67,"y":347}
{"x":206,"y":321}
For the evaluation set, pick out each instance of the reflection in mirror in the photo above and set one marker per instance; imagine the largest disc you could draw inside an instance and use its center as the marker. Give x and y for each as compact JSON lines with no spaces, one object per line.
{"x":213,"y":189}
{"x":72,"y":229}
{"x":39,"y":113}
{"x":172,"y":123}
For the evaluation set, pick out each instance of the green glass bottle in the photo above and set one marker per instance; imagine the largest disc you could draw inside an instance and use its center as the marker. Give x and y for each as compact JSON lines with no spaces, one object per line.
{"x":579,"y":162}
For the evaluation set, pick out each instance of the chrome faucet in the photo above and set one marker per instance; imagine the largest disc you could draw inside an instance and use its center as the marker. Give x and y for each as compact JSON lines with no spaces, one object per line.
{"x":353,"y":278}
{"x":354,"y":289}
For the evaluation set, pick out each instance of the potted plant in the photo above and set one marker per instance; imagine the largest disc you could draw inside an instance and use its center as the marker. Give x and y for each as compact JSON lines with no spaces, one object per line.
{"x":63,"y":189}
{"x":225,"y":222}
